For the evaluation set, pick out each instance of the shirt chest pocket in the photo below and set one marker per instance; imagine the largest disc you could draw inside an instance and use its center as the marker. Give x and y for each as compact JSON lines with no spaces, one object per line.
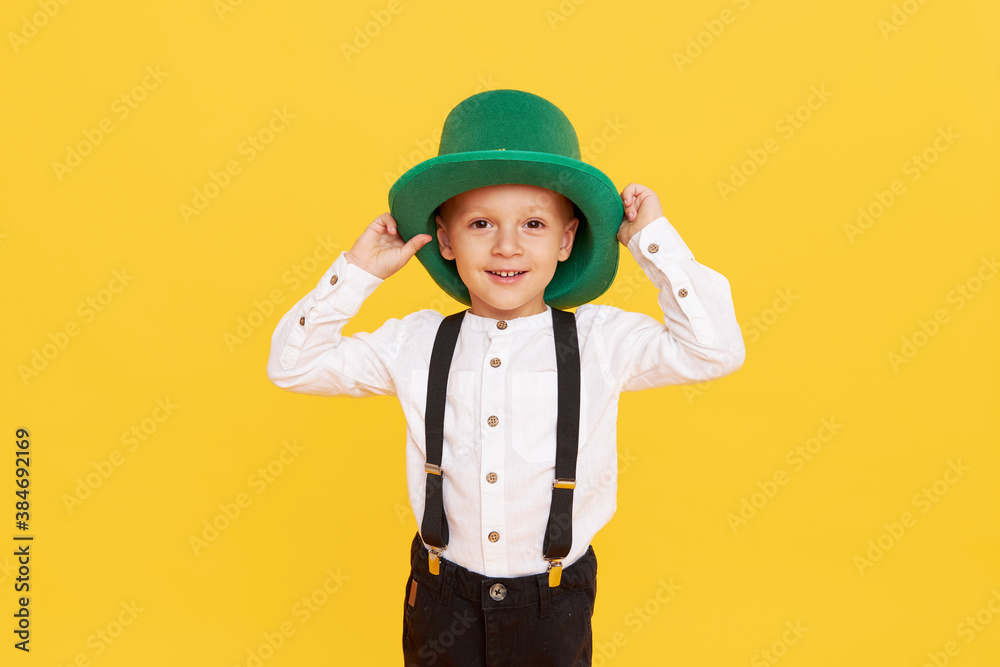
{"x":535,"y":407}
{"x":459,"y":412}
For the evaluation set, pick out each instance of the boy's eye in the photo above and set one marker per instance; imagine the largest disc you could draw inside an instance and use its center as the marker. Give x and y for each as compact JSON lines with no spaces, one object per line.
{"x":535,"y":224}
{"x":480,"y":224}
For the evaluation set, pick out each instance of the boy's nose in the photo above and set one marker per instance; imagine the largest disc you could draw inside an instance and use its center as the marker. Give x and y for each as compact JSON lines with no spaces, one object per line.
{"x":507,"y":242}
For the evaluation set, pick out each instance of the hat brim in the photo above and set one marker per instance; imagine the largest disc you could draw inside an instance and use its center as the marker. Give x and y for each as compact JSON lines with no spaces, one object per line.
{"x":589,"y":270}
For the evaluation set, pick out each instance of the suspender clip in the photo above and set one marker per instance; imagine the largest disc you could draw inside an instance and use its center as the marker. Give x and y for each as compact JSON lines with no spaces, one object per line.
{"x":433,"y":560}
{"x":433,"y":469}
{"x":559,"y":483}
{"x":555,"y":571}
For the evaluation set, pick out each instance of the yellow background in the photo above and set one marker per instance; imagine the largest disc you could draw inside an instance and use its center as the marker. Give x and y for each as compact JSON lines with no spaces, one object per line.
{"x":822,"y":311}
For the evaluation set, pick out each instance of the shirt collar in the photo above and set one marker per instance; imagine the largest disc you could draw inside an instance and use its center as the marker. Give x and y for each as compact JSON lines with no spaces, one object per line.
{"x":515,"y":325}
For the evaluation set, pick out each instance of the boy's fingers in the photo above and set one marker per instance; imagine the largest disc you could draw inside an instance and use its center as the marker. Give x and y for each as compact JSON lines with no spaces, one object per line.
{"x":416,"y":243}
{"x":627,"y":193}
{"x":384,"y":222}
{"x":631,"y":189}
{"x":635,"y":198}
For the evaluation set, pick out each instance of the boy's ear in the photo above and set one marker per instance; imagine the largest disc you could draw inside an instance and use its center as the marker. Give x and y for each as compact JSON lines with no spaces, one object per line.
{"x":443,"y":241}
{"x":569,"y":235}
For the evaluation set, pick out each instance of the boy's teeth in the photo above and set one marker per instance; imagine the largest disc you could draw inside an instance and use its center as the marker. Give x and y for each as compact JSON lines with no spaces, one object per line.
{"x":506,"y":274}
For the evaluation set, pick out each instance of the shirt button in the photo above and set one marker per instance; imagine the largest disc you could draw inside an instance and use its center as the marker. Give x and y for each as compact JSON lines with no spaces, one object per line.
{"x":498,"y":592}
{"x":682,"y":292}
{"x":653,"y":248}
{"x":501,"y":325}
{"x":333,"y":279}
{"x":493,"y":421}
{"x":494,"y":536}
{"x":302,"y":321}
{"x":491,"y":478}
{"x":494,"y":362}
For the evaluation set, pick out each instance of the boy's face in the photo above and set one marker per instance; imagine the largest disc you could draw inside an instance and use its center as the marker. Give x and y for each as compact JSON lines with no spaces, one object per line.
{"x":521,"y":230}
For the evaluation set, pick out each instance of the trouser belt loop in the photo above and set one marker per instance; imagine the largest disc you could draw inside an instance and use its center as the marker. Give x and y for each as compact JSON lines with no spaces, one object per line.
{"x":447,"y":579}
{"x":543,"y":595}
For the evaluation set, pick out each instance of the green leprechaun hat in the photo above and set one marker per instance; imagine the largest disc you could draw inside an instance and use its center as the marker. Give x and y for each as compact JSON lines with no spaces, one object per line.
{"x":510,"y":136}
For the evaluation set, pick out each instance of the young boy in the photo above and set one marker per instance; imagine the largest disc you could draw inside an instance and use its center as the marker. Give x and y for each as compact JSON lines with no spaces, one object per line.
{"x":511,"y":406}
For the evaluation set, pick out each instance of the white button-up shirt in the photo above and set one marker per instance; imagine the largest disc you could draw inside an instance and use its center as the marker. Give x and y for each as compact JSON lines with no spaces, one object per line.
{"x":498,"y":478}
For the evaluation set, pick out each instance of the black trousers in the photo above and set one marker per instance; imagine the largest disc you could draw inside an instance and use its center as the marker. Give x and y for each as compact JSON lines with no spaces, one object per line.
{"x":460,"y":618}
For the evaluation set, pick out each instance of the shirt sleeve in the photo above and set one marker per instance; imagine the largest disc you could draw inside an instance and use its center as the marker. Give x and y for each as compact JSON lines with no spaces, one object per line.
{"x":698,"y":339}
{"x":310,"y":356}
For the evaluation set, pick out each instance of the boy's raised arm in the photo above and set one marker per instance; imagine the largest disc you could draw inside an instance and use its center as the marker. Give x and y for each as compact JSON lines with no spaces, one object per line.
{"x":699,"y":338}
{"x":308,"y":353}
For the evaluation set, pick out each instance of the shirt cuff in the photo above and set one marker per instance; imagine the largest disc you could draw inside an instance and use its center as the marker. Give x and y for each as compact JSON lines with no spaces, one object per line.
{"x":663,"y":235}
{"x":671,"y":267}
{"x":336,"y":298}
{"x":341,"y":291}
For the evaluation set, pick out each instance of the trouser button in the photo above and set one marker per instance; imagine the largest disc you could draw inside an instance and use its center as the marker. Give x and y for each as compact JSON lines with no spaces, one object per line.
{"x":498,"y":592}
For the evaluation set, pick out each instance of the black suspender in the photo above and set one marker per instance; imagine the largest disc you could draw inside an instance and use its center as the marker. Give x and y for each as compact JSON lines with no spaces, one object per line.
{"x":434,"y":527}
{"x":559,"y":531}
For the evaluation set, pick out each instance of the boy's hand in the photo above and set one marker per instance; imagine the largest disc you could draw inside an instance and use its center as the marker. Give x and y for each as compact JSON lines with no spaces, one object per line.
{"x":642,"y":206}
{"x":380,"y":250}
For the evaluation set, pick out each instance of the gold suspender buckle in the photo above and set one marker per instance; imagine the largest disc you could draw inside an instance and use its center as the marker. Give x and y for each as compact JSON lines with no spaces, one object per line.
{"x":555,"y":564}
{"x":555,"y":571}
{"x":433,"y":560}
{"x":434,"y":553}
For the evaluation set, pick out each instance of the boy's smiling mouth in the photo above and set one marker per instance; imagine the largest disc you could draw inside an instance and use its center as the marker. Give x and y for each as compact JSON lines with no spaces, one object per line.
{"x":505,"y":274}
{"x":505,"y":277}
